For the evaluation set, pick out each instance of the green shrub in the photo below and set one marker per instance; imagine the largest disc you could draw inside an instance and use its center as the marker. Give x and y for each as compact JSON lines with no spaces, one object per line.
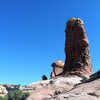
{"x":15,"y":95}
{"x":3,"y":98}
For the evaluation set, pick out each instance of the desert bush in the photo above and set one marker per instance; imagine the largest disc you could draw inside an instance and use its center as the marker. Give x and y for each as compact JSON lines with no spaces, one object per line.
{"x":15,"y":95}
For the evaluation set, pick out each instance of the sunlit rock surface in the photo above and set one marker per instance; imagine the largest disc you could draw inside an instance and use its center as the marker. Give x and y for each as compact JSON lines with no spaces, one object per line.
{"x":77,"y":49}
{"x":57,"y":68}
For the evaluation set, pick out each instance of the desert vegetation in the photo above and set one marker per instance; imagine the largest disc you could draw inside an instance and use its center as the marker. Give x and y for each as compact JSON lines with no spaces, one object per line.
{"x":15,"y":95}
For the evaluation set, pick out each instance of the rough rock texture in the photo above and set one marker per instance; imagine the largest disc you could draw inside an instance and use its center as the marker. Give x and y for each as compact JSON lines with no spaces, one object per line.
{"x":65,"y":88}
{"x":48,"y":88}
{"x":76,"y":49}
{"x":86,"y":91}
{"x":57,"y":68}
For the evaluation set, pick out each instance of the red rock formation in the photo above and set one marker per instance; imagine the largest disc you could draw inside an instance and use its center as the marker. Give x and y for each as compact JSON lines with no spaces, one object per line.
{"x":57,"y":68}
{"x":76,"y":49}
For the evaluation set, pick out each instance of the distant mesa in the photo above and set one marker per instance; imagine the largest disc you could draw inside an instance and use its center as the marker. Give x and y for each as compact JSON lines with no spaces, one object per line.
{"x":57,"y":68}
{"x":77,"y":60}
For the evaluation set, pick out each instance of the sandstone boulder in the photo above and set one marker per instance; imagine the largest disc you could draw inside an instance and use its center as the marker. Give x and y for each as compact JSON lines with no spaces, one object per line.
{"x":57,"y":68}
{"x":3,"y":90}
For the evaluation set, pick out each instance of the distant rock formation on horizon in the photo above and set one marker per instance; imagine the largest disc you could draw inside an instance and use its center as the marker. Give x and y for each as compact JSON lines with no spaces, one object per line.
{"x":3,"y":90}
{"x":76,"y":49}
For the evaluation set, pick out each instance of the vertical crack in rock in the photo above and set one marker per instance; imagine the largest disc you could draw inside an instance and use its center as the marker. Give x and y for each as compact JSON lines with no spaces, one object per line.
{"x":77,"y":60}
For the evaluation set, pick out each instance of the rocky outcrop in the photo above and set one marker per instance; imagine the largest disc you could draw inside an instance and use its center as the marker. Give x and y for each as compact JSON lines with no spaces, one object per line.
{"x":76,"y":49}
{"x":3,"y":90}
{"x":93,"y":77}
{"x":43,"y":90}
{"x":57,"y":68}
{"x":85,"y":91}
{"x":65,"y":88}
{"x":79,"y":83}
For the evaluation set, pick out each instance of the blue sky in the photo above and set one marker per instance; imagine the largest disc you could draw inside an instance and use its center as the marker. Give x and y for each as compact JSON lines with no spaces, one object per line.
{"x":32,"y":36}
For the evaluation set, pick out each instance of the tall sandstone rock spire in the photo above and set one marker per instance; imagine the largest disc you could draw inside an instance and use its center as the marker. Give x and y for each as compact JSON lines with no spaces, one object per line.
{"x":77,"y":60}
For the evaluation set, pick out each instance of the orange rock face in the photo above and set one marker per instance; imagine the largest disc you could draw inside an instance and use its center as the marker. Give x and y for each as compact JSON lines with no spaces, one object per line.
{"x":76,"y":49}
{"x":57,"y":68}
